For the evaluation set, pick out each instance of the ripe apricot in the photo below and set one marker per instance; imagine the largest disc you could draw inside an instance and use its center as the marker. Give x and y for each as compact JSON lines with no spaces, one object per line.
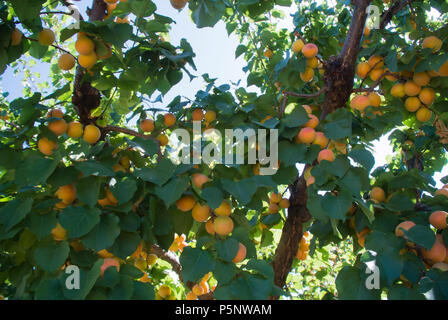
{"x":58,"y":127}
{"x":224,"y":209}
{"x":198,"y":290}
{"x":437,"y":252}
{"x":411,"y":88}
{"x":378,"y":195}
{"x":198,"y":115}
{"x":398,"y":90}
{"x":16,"y":37}
{"x":66,"y":193}
{"x":406,"y":225}
{"x":275,"y":197}
{"x":84,"y":45}
{"x":374,"y":99}
{"x":46,"y":37}
{"x":376,"y":62}
{"x":91,"y":134}
{"x":427,"y":96}
{"x":284,"y":203}
{"x":87,"y":61}
{"x":186,"y":203}
{"x":109,"y":262}
{"x":312,"y":63}
{"x":223,"y":225}
{"x":432,"y":42}
{"x":310,"y":180}
{"x":313,"y":122}
{"x":199,"y":179}
{"x":200,"y":212}
{"x":307,"y":135}
{"x":412,"y":104}
{"x":362,"y":236}
{"x":307,"y":75}
{"x":438,"y":219}
{"x":443,"y":70}
{"x":169,"y":119}
{"x":268,"y":53}
{"x":59,"y":233}
{"x":46,"y":146}
{"x":191,"y":296}
{"x":163,"y":139}
{"x":66,"y":62}
{"x":363,"y":69}
{"x":75,"y":129}
{"x":297,"y":46}
{"x":360,"y":103}
{"x":421,"y":78}
{"x":147,"y":125}
{"x":210,"y":116}
{"x":423,"y":114}
{"x":321,"y":140}
{"x":442,"y":192}
{"x":325,"y":154}
{"x":309,"y":50}
{"x":273,"y":208}
{"x":307,"y":108}
{"x":241,"y":254}
{"x":178,"y":4}
{"x":209,"y":227}
{"x":375,"y":74}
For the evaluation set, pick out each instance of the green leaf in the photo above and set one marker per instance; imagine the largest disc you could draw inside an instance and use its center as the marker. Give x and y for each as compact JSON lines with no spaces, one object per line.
{"x":88,"y":190}
{"x":337,"y":206}
{"x":295,"y":116}
{"x":421,"y":235}
{"x":143,"y":8}
{"x":78,"y":221}
{"x":94,"y":168}
{"x":338,"y":125}
{"x":242,"y":190}
{"x":363,"y":157}
{"x":87,"y":279}
{"x":206,"y":13}
{"x":351,"y":285}
{"x":124,"y":189}
{"x":14,"y":212}
{"x":41,"y":224}
{"x":291,"y":153}
{"x":172,"y":191}
{"x":34,"y":170}
{"x":158,"y":174}
{"x":51,"y":255}
{"x":227,"y":249}
{"x":196,"y":263}
{"x":103,"y":235}
{"x":125,"y":244}
{"x":213,"y":196}
{"x":149,"y":146}
{"x":143,"y":291}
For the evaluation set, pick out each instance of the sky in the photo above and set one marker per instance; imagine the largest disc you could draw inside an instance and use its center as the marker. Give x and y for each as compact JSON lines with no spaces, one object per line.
{"x":215,"y":55}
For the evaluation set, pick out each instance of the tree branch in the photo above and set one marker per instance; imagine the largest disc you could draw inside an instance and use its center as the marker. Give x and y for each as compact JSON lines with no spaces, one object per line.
{"x":387,"y":16}
{"x":169,"y":257}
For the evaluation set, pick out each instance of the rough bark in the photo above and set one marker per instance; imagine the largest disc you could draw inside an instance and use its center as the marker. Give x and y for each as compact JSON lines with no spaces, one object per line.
{"x":339,"y":79}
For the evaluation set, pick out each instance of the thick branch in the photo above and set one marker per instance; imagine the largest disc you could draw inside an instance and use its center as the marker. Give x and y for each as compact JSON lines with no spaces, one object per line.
{"x":169,"y":257}
{"x":387,"y":16}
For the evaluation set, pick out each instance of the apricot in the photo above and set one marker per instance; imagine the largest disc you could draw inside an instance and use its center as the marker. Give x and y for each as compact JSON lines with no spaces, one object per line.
{"x":198,"y":115}
{"x":312,"y":63}
{"x":307,"y":75}
{"x":147,"y":125}
{"x":59,"y":233}
{"x":360,"y":103}
{"x":199,"y":179}
{"x":186,"y":203}
{"x":241,"y":254}
{"x":209,"y":227}
{"x":363,"y":69}
{"x":163,"y":139}
{"x":275,"y":197}
{"x":105,"y":254}
{"x":46,"y":37}
{"x":374,"y":99}
{"x":427,"y":96}
{"x":307,"y":108}
{"x":378,"y":195}
{"x":423,"y":114}
{"x":210,"y":116}
{"x":268,"y":53}
{"x":178,"y":4}
{"x":224,"y":209}
{"x":223,"y":225}
{"x":376,"y":62}
{"x":297,"y":46}
{"x":75,"y":129}
{"x":66,"y":62}
{"x":325,"y":154}
{"x":313,"y":122}
{"x":309,"y":50}
{"x":307,"y":135}
{"x":109,"y":262}
{"x":443,"y":70}
{"x":16,"y":37}
{"x":58,"y":127}
{"x":412,"y":104}
{"x":321,"y":140}
{"x":442,"y":192}
{"x":91,"y":134}
{"x":273,"y":208}
{"x":362,"y":236}
{"x":411,"y":88}
{"x":169,"y":119}
{"x":406,"y":225}
{"x":432,"y":42}
{"x":310,"y":181}
{"x":438,"y":219}
{"x":284,"y":203}
{"x":198,"y":290}
{"x":46,"y":146}
{"x":87,"y":61}
{"x":191,"y":296}
{"x":66,"y":193}
{"x":375,"y":74}
{"x":84,"y":45}
{"x":398,"y":90}
{"x":200,"y":213}
{"x":421,"y":78}
{"x":437,"y":252}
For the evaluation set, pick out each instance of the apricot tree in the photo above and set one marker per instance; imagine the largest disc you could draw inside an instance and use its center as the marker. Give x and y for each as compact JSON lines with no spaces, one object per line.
{"x":80,"y":187}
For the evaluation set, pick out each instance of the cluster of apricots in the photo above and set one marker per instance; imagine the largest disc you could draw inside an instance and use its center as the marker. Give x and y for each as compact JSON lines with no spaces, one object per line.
{"x":111,"y":6}
{"x":148,"y":125}
{"x":309,"y":51}
{"x":90,"y":50}
{"x":276,"y":202}
{"x":362,"y":101}
{"x":304,"y":246}
{"x":56,"y":123}
{"x":200,"y":288}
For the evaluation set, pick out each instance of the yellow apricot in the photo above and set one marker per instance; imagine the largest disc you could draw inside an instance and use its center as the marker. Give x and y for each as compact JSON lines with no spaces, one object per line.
{"x":87,"y":61}
{"x":241,"y":254}
{"x":58,"y":127}
{"x":46,"y":146}
{"x":210,"y":116}
{"x":59,"y":233}
{"x":84,"y":45}
{"x":66,"y":193}
{"x":423,"y":114}
{"x":360,"y":103}
{"x":312,"y":63}
{"x":307,"y":75}
{"x":297,"y":46}
{"x":411,"y":88}
{"x":147,"y":125}
{"x":309,"y":50}
{"x":398,"y":90}
{"x":406,"y":225}
{"x":375,"y":74}
{"x":363,"y":69}
{"x":199,"y":179}
{"x":200,"y":212}
{"x":438,"y":219}
{"x":307,"y":135}
{"x":421,"y":78}
{"x":209,"y":227}
{"x":66,"y":62}
{"x":325,"y":154}
{"x":432,"y":42}
{"x":46,"y":37}
{"x":225,"y":209}
{"x":427,"y":96}
{"x":198,"y":115}
{"x":186,"y":203}
{"x":412,"y":104}
{"x":91,"y":134}
{"x":163,"y":139}
{"x":313,"y":122}
{"x":169,"y":119}
{"x":16,"y":37}
{"x":321,"y":140}
{"x":223,"y":225}
{"x":268,"y":53}
{"x":374,"y":99}
{"x":378,"y":195}
{"x":284,"y":203}
{"x":376,"y":62}
{"x":75,"y":129}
